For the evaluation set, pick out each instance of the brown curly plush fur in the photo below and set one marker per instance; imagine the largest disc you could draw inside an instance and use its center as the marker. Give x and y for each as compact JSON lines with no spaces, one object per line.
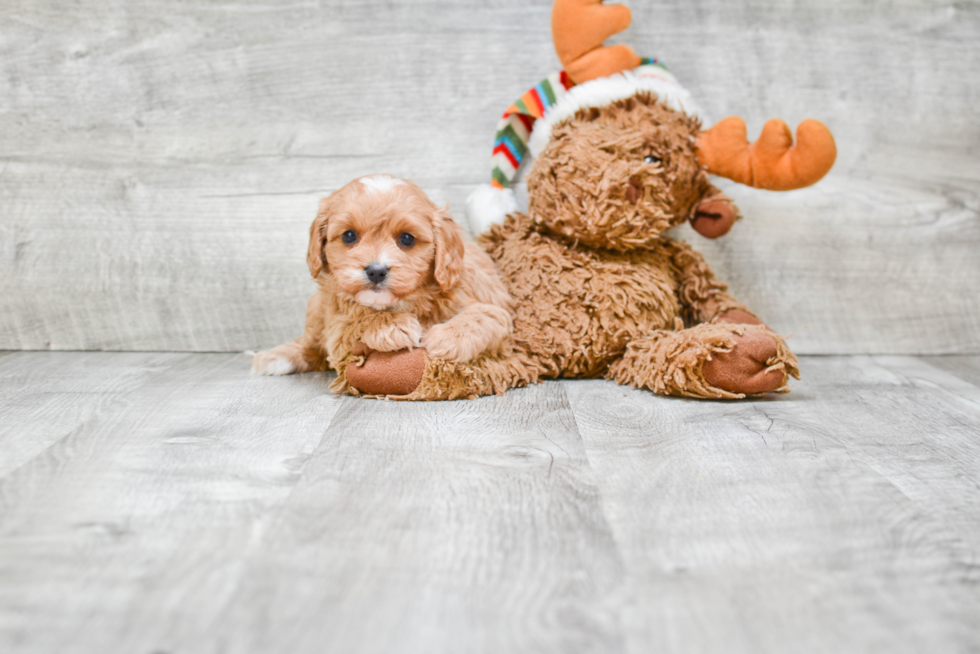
{"x":581,"y":184}
{"x":599,"y":290}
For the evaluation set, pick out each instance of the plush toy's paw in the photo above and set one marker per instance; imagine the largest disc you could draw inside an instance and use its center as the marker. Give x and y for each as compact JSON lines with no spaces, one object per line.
{"x":714,"y":217}
{"x":745,"y":369}
{"x":386,"y":373}
{"x":399,"y":335}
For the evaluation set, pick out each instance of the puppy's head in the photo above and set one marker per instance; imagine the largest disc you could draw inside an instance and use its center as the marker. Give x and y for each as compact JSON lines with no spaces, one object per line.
{"x":383,"y":241}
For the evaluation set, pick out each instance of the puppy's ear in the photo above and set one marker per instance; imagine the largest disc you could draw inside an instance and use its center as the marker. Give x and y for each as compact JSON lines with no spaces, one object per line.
{"x":450,"y":249}
{"x":316,"y":258}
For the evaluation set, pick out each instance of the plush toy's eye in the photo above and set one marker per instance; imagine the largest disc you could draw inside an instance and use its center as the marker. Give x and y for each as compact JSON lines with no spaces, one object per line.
{"x":652,"y":159}
{"x":349,"y":237}
{"x":406,"y":239}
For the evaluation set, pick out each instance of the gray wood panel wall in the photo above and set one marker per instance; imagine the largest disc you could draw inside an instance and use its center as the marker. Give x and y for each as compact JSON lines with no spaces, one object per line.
{"x":160,"y":162}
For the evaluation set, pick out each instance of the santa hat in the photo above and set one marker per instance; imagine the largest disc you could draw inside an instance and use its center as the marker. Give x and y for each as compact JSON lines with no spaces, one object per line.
{"x":525,"y":127}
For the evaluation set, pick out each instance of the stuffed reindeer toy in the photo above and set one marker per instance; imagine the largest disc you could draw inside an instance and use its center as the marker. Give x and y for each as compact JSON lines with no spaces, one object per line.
{"x":621,"y":157}
{"x":600,"y":290}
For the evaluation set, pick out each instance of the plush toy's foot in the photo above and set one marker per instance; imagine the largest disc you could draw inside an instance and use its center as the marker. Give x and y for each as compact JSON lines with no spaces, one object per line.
{"x":386,"y":373}
{"x":718,"y":360}
{"x":412,"y":375}
{"x":745,"y":369}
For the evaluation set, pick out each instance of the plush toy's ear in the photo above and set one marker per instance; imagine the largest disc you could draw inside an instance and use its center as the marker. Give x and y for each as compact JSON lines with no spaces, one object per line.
{"x":316,"y":258}
{"x":450,"y":249}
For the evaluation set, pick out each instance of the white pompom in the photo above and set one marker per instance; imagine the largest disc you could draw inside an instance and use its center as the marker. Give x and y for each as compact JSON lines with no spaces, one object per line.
{"x":487,"y":206}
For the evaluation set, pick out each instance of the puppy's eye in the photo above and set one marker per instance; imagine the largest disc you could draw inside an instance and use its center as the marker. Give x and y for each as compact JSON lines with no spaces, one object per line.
{"x":406,"y":239}
{"x":652,"y":159}
{"x":349,"y":237}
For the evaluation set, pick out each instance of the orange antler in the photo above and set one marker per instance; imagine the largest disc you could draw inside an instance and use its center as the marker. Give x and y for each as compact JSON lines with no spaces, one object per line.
{"x":772,"y":162}
{"x":578,"y":28}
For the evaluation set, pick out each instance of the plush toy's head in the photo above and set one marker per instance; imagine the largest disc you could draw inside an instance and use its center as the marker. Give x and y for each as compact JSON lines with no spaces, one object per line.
{"x":588,"y":102}
{"x":617,"y":176}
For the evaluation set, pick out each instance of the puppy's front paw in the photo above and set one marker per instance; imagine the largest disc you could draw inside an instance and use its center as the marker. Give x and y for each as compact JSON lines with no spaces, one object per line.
{"x":271,"y":362}
{"x":443,"y":342}
{"x":403,"y":334}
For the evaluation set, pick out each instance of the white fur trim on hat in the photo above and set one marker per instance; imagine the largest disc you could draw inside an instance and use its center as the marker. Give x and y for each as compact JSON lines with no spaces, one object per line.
{"x":487,"y":205}
{"x":605,"y":91}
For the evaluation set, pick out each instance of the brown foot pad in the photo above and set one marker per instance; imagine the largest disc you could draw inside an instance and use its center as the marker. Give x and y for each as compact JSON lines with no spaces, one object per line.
{"x":743,"y":370}
{"x":386,"y":373}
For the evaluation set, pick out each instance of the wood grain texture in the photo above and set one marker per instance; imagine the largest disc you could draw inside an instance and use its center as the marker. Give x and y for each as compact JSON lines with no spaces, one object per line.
{"x":130,"y":531}
{"x":841,"y":517}
{"x":161,"y":161}
{"x":45,"y":398}
{"x":438,"y":527}
{"x":210,"y":510}
{"x":966,"y":368}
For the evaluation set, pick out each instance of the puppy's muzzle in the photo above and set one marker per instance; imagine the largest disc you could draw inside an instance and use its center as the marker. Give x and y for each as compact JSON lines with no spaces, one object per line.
{"x":376,"y":272}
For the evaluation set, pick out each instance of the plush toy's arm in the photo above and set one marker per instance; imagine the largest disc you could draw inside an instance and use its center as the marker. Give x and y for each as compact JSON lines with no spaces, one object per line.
{"x":715,"y":213}
{"x":703,"y":298}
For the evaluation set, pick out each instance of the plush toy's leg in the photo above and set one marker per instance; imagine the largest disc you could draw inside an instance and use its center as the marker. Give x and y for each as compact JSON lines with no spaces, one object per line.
{"x":712,"y":360}
{"x":412,"y":375}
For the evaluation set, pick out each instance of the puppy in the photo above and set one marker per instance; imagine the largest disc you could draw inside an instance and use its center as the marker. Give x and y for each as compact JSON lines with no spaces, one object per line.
{"x":395,"y":272}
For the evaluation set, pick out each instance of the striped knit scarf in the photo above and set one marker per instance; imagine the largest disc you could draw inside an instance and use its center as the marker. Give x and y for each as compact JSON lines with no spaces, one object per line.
{"x":514,"y":130}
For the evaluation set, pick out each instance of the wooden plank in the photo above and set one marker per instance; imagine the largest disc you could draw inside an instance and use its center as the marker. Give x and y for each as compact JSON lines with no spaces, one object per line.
{"x":841,"y":517}
{"x":190,"y":165}
{"x":850,"y":284}
{"x":168,"y":209}
{"x":966,"y":368}
{"x":130,"y":532}
{"x":448,"y":527}
{"x":45,"y":396}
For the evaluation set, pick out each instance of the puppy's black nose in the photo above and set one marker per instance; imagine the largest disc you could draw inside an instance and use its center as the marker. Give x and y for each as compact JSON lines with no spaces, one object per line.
{"x":376,"y":272}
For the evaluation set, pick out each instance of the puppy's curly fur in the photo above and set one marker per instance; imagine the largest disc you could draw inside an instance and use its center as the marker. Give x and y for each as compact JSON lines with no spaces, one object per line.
{"x":395,"y":273}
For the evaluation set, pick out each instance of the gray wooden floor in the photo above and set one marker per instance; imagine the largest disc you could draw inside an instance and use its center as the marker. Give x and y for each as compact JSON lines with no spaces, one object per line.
{"x":174,"y":503}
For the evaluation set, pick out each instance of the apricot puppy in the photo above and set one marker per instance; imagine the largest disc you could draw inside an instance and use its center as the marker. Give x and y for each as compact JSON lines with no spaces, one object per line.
{"x":395,"y":272}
